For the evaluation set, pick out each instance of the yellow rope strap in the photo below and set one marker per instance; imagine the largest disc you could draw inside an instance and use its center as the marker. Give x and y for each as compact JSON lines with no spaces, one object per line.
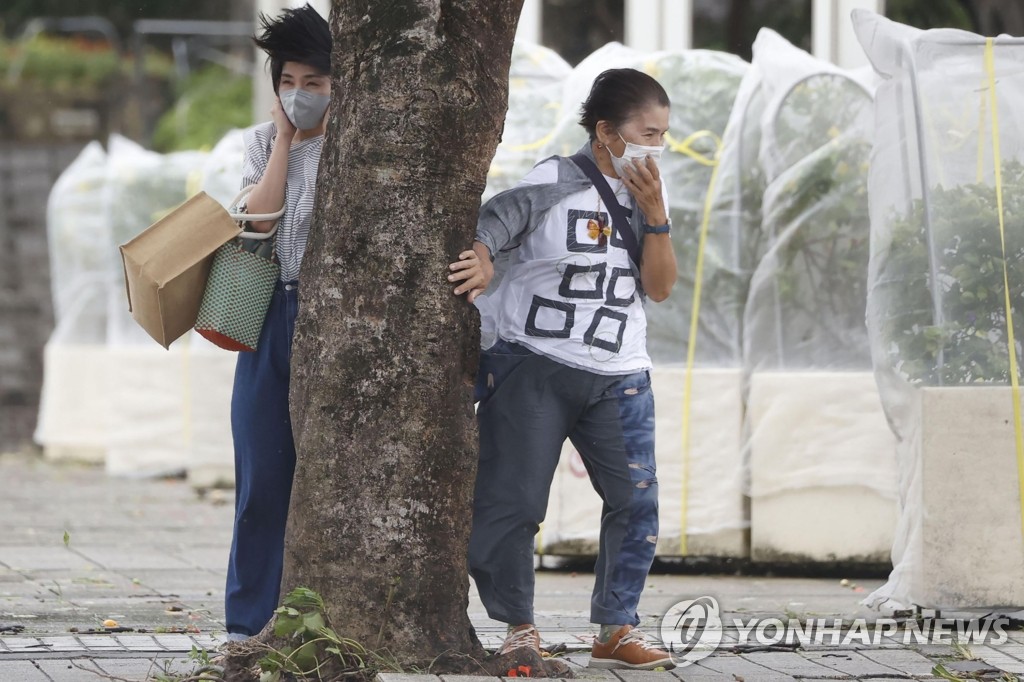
{"x":685,"y":147}
{"x":990,"y":70}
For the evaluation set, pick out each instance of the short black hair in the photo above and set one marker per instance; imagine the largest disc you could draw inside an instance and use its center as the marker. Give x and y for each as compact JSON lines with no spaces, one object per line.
{"x":616,"y":95}
{"x":298,"y":35}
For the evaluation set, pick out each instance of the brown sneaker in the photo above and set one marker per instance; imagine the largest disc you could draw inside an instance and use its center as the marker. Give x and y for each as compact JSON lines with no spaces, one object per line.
{"x":628,"y":648}
{"x":521,"y":637}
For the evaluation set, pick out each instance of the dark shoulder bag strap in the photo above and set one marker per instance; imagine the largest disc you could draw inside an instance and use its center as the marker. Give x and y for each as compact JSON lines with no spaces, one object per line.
{"x":620,"y":221}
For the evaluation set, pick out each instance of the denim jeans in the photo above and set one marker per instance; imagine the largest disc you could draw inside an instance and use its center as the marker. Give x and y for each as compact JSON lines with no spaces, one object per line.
{"x":529,"y":405}
{"x":264,"y":465}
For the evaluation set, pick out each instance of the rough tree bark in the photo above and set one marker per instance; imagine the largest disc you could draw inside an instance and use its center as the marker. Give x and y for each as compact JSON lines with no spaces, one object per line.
{"x":384,"y":354}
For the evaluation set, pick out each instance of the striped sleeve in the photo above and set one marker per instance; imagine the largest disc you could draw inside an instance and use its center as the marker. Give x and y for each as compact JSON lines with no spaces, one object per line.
{"x":257,"y":153}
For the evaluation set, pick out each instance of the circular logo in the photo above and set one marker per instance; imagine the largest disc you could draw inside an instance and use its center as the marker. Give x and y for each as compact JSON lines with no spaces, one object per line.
{"x":691,"y":630}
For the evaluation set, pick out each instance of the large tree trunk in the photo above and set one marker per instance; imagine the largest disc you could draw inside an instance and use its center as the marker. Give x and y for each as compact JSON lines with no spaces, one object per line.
{"x":384,"y":354}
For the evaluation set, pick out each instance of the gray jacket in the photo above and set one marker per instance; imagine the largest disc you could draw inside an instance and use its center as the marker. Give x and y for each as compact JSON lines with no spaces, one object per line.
{"x":510,"y":216}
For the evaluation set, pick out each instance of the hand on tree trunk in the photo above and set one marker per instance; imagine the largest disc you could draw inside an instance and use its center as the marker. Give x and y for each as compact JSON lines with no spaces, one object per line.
{"x":473,"y":271}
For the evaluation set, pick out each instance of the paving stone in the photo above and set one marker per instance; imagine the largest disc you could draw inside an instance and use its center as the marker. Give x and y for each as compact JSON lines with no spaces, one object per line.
{"x":935,"y":650}
{"x":9,"y":575}
{"x":852,"y":663}
{"x":177,"y":643}
{"x":177,"y":580}
{"x":887,"y":642}
{"x":1010,"y":649}
{"x":22,"y":671}
{"x":213,"y":559}
{"x":904,"y":660}
{"x":100,"y":642}
{"x":139,"y":643}
{"x":63,"y":670}
{"x":586,"y":673}
{"x":23,"y":644}
{"x":31,"y":558}
{"x":695,"y":672}
{"x":972,"y":668}
{"x":208,"y":642}
{"x":641,"y":675}
{"x":127,"y":559}
{"x":131,"y":668}
{"x":402,"y":677}
{"x":735,"y":664}
{"x":62,"y":643}
{"x":467,"y":678}
{"x":792,"y":664}
{"x":995,"y":656}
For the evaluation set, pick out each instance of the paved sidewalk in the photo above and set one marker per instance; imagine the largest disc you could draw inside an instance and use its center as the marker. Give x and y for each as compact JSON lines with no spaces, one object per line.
{"x":151,"y":555}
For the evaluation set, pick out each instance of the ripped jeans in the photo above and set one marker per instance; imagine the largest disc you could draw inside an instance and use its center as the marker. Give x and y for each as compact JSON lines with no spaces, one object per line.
{"x":529,"y":405}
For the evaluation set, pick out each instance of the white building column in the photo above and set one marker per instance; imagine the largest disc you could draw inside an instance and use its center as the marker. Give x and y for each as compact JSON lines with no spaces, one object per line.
{"x":263,"y":89}
{"x":832,"y":36}
{"x":652,"y":25}
{"x":677,"y":25}
{"x":528,"y":30}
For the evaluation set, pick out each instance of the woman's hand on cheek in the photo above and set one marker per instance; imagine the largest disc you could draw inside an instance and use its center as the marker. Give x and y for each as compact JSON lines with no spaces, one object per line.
{"x":643,"y":180}
{"x":285,"y":129}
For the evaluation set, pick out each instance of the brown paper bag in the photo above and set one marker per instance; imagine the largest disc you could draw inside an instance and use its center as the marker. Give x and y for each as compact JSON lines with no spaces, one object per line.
{"x":166,"y":267}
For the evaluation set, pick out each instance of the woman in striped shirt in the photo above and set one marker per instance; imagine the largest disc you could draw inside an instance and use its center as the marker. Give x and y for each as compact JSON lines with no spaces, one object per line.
{"x":281,"y":160}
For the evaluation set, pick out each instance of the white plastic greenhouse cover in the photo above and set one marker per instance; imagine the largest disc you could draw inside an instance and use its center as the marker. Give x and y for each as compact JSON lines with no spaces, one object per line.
{"x":110,"y":395}
{"x":937,"y":310}
{"x":814,"y":425}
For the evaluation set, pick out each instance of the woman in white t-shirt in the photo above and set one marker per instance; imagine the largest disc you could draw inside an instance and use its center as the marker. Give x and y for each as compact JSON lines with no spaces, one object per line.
{"x":580,"y":244}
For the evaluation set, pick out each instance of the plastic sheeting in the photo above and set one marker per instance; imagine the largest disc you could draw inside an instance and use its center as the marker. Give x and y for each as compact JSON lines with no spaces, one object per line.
{"x":781,"y":311}
{"x":535,"y":82}
{"x":813,"y":414}
{"x":734,"y":239}
{"x":110,"y":395}
{"x":937,"y":306}
{"x":72,"y":414}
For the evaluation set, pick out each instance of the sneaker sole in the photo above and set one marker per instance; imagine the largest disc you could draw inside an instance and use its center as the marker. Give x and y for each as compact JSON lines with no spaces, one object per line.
{"x":614,"y":664}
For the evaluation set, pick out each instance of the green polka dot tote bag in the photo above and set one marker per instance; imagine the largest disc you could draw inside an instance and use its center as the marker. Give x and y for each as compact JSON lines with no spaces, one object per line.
{"x":240,"y":285}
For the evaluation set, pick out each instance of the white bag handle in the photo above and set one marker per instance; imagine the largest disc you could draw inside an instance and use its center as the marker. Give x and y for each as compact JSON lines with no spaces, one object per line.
{"x":253,"y":216}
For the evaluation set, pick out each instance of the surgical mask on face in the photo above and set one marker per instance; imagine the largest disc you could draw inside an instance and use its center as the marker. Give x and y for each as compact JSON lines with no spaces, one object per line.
{"x":634,"y":152}
{"x":304,"y":109}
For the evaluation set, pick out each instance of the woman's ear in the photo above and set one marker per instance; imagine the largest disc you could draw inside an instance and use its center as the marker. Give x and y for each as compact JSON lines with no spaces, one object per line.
{"x":605,"y":132}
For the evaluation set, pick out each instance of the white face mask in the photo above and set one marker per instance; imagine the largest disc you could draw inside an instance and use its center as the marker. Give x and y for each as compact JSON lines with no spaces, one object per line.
{"x":304,"y":109}
{"x":633,"y":152}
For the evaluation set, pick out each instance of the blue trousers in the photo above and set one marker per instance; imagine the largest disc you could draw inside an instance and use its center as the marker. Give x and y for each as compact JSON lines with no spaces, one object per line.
{"x":529,"y":405}
{"x":264,"y":464}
